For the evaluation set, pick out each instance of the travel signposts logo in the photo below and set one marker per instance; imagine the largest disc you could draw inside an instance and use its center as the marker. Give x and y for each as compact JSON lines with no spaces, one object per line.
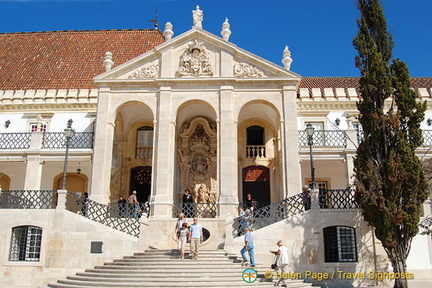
{"x":249,"y":275}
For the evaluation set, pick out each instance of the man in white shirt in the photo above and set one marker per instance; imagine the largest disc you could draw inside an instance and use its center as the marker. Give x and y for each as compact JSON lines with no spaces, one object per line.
{"x":281,"y":261}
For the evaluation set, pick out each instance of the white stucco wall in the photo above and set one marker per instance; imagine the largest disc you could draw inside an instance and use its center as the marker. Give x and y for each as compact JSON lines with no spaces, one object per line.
{"x":66,"y":242}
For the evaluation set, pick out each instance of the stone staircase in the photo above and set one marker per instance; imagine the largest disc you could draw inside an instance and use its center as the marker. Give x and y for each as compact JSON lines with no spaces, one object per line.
{"x":163,"y":268}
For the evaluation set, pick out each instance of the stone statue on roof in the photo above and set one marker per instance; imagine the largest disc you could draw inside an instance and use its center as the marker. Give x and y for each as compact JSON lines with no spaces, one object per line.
{"x":198,"y":17}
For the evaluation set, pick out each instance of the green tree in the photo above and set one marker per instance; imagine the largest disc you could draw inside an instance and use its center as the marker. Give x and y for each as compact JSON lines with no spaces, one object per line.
{"x":390,"y":182}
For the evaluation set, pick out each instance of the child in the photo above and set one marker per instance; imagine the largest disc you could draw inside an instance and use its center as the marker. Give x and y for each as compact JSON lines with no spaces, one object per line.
{"x":182,"y":238}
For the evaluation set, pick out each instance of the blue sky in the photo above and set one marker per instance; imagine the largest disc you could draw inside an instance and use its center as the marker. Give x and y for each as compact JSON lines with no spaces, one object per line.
{"x":319,"y":33}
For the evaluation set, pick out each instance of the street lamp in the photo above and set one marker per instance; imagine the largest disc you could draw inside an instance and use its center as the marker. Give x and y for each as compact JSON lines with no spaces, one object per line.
{"x":68,"y":132}
{"x":309,"y":132}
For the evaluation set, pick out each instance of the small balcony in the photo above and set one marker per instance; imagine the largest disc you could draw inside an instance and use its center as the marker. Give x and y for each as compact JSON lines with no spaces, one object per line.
{"x":255,"y":151}
{"x":143,"y":152}
{"x":49,"y":140}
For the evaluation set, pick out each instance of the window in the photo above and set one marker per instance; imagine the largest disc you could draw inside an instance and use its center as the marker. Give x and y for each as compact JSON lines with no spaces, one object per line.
{"x":145,"y":136}
{"x":255,"y":135}
{"x":339,"y":244}
{"x":34,"y":127}
{"x":359,"y":129}
{"x":25,"y":243}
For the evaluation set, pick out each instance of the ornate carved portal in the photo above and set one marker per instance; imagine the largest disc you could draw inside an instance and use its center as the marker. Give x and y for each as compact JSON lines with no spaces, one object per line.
{"x":198,"y":160}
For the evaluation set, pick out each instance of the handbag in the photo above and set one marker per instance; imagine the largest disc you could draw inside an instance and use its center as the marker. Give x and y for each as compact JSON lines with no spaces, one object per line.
{"x":273,"y":266}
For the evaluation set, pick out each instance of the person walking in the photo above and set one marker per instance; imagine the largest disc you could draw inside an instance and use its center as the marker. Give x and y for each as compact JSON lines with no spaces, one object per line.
{"x":306,"y":197}
{"x":195,"y":237}
{"x":121,"y":206}
{"x":281,"y":262}
{"x":182,"y":238}
{"x":133,"y":204}
{"x":248,"y":247}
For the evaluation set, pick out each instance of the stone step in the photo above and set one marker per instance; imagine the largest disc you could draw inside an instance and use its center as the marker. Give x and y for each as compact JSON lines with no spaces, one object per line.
{"x":205,"y":283}
{"x":163,"y":269}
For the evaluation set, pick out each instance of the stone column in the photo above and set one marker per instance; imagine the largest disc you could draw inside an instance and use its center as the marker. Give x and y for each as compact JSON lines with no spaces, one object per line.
{"x":227,"y":154}
{"x":289,"y":142}
{"x":350,"y":152}
{"x":102,"y":151}
{"x":33,"y":176}
{"x":164,"y":158}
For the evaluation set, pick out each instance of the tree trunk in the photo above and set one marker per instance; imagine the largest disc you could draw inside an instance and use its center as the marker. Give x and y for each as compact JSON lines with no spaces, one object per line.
{"x":399,"y":270}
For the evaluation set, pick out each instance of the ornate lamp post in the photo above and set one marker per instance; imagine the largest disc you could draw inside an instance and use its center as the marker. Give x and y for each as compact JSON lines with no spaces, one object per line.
{"x":68,"y":132}
{"x":309,"y":132}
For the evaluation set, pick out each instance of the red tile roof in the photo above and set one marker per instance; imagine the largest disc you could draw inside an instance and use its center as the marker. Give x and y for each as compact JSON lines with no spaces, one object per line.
{"x":352,"y":82}
{"x":66,"y":59}
{"x":71,"y":59}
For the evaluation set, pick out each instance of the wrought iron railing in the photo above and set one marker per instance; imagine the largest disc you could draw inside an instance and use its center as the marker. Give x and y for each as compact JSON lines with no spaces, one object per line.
{"x":323,"y":138}
{"x":337,"y":199}
{"x":269,"y":214}
{"x":27,"y":199}
{"x":255,"y":151}
{"x":104,"y":214}
{"x":129,"y":210}
{"x":143,"y":152}
{"x":15,"y":140}
{"x":200,"y":210}
{"x":275,"y":212}
{"x":56,"y":140}
{"x":427,"y":138}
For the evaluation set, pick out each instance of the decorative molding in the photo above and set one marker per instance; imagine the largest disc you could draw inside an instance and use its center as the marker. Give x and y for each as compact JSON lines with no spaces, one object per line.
{"x":244,"y":70}
{"x":195,"y":61}
{"x":51,"y":99}
{"x":148,"y":71}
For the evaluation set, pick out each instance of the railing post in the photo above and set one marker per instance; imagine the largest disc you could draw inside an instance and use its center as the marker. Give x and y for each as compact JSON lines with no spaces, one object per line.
{"x":61,"y":199}
{"x":36,"y":140}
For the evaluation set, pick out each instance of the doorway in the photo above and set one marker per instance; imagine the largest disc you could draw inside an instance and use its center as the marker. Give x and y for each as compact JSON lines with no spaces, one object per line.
{"x":140,"y":181}
{"x":256,"y":181}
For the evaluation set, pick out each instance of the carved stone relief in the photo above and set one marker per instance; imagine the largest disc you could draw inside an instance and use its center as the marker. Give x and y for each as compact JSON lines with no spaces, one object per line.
{"x":197,"y":152}
{"x":195,"y":61}
{"x":245,"y":70}
{"x":149,"y":71}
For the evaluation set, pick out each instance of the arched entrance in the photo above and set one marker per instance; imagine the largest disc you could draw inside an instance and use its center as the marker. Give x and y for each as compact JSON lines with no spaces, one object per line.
{"x":256,"y":181}
{"x":140,"y":181}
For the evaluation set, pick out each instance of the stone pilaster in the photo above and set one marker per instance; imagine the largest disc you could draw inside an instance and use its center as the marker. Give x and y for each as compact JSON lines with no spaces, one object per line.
{"x":102,"y":151}
{"x":33,"y":177}
{"x":290,"y":148}
{"x":164,"y":158}
{"x":227,"y":154}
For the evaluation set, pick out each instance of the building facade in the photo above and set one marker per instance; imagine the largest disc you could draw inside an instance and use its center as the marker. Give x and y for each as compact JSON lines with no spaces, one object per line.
{"x":158,"y":114}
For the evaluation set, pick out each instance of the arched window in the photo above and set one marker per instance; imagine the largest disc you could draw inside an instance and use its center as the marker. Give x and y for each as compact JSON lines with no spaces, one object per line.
{"x":25,"y":243}
{"x":340,"y":244}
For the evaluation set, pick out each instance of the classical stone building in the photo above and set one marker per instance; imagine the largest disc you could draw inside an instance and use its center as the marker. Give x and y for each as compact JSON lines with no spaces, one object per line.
{"x":159,"y":114}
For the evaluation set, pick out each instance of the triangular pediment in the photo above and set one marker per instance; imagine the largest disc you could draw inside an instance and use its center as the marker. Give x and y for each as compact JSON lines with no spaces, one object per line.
{"x":196,"y":54}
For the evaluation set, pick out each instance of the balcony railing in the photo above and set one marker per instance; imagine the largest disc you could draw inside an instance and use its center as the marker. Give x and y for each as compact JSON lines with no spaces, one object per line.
{"x":323,"y":138}
{"x":15,"y":140}
{"x":255,"y":151}
{"x":143,"y":152}
{"x":83,"y":140}
{"x":27,"y":199}
{"x":56,"y":140}
{"x":337,"y":199}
